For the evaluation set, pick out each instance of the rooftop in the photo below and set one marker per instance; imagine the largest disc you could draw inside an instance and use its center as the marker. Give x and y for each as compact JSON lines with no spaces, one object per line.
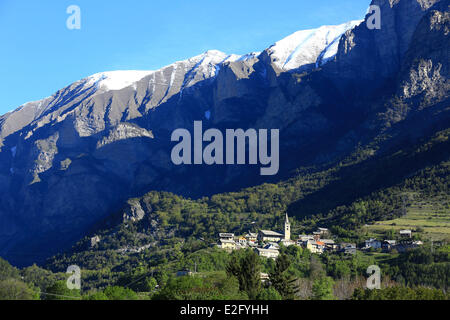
{"x":267,"y":250}
{"x":226,"y":241}
{"x":226,"y":235}
{"x":271,"y":233}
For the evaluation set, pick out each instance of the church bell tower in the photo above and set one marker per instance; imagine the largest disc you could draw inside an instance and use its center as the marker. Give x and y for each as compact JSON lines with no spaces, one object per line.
{"x":287,"y":229}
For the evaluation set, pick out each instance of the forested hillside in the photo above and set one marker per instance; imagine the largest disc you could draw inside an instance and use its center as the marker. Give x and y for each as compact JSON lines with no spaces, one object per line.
{"x":161,"y":227}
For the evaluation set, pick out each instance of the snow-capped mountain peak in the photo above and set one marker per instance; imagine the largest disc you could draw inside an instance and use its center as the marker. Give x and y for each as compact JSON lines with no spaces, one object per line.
{"x":309,"y":47}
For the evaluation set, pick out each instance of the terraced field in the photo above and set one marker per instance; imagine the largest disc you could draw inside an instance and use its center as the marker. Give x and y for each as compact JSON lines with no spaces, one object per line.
{"x":430,"y":218}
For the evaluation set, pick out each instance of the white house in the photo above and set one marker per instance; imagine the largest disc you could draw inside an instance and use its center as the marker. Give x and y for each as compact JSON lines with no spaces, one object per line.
{"x":227,"y":244}
{"x":242,"y":241}
{"x":268,"y":253}
{"x":315,"y":246}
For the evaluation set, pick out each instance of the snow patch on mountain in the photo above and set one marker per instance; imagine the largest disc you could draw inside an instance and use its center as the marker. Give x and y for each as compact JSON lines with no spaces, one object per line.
{"x":206,"y":66}
{"x":116,"y":80}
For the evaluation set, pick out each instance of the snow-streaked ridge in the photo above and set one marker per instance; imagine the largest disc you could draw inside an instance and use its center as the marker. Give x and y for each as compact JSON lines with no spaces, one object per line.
{"x":306,"y":47}
{"x":208,"y":63}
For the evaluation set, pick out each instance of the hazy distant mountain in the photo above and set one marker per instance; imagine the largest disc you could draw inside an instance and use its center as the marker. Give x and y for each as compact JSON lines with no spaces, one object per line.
{"x":72,"y":159}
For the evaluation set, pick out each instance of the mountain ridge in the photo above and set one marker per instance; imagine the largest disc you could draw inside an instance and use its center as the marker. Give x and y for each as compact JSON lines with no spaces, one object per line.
{"x":134,"y":76}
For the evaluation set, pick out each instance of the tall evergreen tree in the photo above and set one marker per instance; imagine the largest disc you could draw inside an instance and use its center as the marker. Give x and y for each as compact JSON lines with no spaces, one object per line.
{"x":247,"y":270}
{"x":280,"y":278}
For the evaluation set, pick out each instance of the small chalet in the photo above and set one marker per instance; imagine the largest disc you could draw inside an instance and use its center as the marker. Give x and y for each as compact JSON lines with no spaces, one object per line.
{"x":388,"y":245}
{"x":348,"y":248}
{"x":406,"y":233}
{"x":373,"y":243}
{"x":330,"y":245}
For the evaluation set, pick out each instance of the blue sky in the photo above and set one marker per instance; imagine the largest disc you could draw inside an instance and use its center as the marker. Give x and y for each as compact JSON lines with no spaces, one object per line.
{"x":39,"y":55}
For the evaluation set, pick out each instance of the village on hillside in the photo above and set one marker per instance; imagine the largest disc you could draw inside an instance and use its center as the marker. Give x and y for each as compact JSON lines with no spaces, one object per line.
{"x":267,"y":242}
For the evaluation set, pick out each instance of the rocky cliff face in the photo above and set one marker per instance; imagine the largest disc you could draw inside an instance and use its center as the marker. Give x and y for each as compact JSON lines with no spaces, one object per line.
{"x":378,"y":53}
{"x":72,"y":159}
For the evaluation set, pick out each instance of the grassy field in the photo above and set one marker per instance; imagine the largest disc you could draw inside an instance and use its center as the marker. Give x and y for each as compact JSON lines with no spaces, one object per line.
{"x":430,"y":217}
